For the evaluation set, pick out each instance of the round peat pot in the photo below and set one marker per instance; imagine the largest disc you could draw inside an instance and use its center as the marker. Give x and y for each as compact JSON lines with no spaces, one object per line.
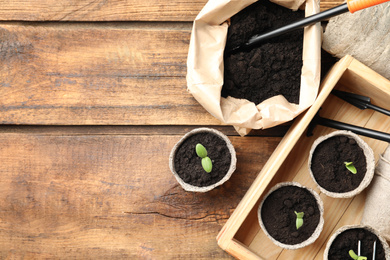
{"x":330,"y":160}
{"x":347,"y":238}
{"x":186,"y":165}
{"x":278,"y":215}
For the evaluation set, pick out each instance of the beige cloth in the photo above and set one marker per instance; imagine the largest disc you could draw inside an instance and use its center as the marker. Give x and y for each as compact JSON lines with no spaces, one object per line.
{"x":377,"y":207}
{"x":205,"y":69}
{"x":365,"y":35}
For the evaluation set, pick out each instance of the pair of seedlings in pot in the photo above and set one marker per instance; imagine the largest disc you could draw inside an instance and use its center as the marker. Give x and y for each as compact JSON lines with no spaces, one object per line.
{"x":206,"y":161}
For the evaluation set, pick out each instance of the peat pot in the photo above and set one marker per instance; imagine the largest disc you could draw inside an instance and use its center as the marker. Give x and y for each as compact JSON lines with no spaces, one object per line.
{"x":187,"y":166}
{"x":279,"y":210}
{"x":330,"y":161}
{"x":347,"y":238}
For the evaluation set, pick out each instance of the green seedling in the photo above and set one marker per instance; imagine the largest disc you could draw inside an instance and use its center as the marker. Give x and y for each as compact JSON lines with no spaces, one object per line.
{"x":355,"y":256}
{"x":206,"y":161}
{"x":299,"y":221}
{"x":201,"y":151}
{"x":207,"y":164}
{"x":350,"y":167}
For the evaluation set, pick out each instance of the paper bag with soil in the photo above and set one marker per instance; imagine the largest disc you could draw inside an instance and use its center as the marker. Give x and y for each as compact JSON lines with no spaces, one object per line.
{"x":205,"y":69}
{"x":377,"y":207}
{"x":365,"y":35}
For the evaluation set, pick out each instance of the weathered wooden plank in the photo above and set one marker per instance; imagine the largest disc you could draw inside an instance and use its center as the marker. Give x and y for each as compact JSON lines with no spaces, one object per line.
{"x":277,"y":131}
{"x":112,"y":196}
{"x":107,"y":10}
{"x":83,"y":74}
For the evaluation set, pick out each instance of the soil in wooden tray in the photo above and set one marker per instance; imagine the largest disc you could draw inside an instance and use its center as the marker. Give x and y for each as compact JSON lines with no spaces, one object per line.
{"x":328,"y":165}
{"x":348,"y":240}
{"x":272,"y":68}
{"x":189,"y":167}
{"x":279,"y":218}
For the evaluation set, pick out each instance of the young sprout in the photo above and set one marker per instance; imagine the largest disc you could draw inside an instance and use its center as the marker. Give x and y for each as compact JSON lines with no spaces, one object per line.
{"x":207,"y":164}
{"x":299,"y":221}
{"x":350,"y":167}
{"x":206,"y":161}
{"x":201,"y":151}
{"x":355,"y":256}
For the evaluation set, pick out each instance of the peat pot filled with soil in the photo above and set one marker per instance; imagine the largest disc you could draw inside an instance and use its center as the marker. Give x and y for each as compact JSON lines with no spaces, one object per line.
{"x":203,"y":159}
{"x":344,"y":244}
{"x":291,"y":215}
{"x":341,"y":164}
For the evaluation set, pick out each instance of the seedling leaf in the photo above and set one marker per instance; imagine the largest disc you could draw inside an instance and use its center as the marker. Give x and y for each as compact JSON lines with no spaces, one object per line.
{"x":207,"y":164}
{"x":201,"y":151}
{"x":355,"y":256}
{"x":350,"y":167}
{"x":299,"y":221}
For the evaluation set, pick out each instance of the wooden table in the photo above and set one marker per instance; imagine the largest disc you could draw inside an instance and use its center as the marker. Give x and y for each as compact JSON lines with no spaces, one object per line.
{"x":92,"y":99}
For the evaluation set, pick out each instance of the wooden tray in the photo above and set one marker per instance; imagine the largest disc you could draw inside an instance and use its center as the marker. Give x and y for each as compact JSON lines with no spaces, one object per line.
{"x":242,"y":236}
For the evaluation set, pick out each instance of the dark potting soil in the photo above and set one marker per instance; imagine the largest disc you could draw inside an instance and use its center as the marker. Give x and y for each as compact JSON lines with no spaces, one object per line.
{"x":328,"y":164}
{"x":279,"y":217}
{"x":274,"y":67}
{"x":348,"y":240}
{"x":188,"y":165}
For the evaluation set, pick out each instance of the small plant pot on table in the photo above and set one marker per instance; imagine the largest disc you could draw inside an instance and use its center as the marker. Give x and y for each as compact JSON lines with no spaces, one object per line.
{"x":203,"y":159}
{"x":291,"y":215}
{"x":341,"y":164}
{"x":344,"y":244}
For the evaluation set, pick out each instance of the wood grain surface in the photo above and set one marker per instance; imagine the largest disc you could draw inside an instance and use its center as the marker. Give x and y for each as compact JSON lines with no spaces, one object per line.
{"x":107,"y":10}
{"x":92,"y":99}
{"x":96,"y":74}
{"x":106,"y":196}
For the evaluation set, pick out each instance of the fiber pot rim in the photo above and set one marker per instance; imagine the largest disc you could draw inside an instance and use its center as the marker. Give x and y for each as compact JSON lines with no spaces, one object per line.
{"x":385,"y":246}
{"x":316,"y":232}
{"x":189,"y":187}
{"x":370,"y":160}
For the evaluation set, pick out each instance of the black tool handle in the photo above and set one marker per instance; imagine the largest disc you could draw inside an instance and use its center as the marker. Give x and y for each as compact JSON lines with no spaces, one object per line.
{"x":359,"y":101}
{"x":343,"y":8}
{"x":379,"y":109}
{"x":356,"y":129}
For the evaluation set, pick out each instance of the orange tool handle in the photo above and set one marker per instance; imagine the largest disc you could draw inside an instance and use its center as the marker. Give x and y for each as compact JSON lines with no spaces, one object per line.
{"x":356,"y":5}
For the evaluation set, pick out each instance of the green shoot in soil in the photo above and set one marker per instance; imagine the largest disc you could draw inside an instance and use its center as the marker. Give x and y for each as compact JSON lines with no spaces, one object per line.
{"x":350,"y":167}
{"x":206,"y":161}
{"x":299,"y":221}
{"x":355,"y":256}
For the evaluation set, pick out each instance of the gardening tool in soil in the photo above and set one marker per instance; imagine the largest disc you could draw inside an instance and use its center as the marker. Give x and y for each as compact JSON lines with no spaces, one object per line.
{"x":359,"y":101}
{"x":318,"y":120}
{"x":351,"y":6}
